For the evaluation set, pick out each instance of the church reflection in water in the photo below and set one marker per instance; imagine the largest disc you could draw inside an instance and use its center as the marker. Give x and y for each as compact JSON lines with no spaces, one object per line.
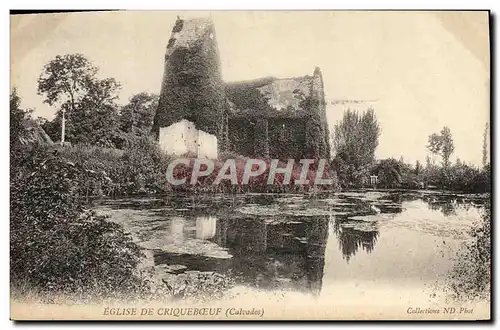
{"x":285,"y":253}
{"x":269,"y":254}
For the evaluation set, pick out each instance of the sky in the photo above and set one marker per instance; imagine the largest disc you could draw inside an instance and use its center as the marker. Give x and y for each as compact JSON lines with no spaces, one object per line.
{"x":420,"y":71}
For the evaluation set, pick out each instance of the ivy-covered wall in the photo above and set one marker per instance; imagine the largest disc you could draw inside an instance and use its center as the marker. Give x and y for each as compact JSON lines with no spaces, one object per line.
{"x":286,"y":138}
{"x":319,"y":107}
{"x":192,"y":86}
{"x":241,"y":136}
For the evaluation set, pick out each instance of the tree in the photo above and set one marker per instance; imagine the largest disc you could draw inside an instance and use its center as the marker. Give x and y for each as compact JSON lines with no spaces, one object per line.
{"x":485,"y":145}
{"x":428,"y":162}
{"x":418,"y":168}
{"x":95,"y":120}
{"x":448,"y":147}
{"x":22,"y":128}
{"x":389,"y":172}
{"x":355,"y":139}
{"x":136,"y":118}
{"x":16,"y":117}
{"x":407,"y":173}
{"x":442,"y":144}
{"x":88,"y":102}
{"x":65,"y":78}
{"x":370,"y":132}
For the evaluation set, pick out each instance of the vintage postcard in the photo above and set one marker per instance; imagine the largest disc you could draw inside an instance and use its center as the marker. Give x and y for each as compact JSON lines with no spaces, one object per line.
{"x":250,"y":165}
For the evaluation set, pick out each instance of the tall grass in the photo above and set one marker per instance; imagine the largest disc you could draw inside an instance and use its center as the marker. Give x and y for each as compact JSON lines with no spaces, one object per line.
{"x":138,"y":169}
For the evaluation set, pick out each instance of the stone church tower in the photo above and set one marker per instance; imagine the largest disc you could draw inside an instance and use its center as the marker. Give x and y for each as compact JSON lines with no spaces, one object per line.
{"x":189,"y":115}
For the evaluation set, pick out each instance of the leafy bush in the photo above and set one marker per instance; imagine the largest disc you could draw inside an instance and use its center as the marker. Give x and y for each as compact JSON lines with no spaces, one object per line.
{"x":459,"y":177}
{"x":144,"y":167}
{"x":138,"y":169}
{"x":462,"y":177}
{"x":389,"y":173}
{"x":57,"y":245}
{"x":470,"y":279}
{"x":467,"y":178}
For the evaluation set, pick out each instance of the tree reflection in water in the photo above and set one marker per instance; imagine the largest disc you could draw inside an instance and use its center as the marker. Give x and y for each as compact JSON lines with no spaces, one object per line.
{"x":448,"y":204}
{"x":352,"y":238}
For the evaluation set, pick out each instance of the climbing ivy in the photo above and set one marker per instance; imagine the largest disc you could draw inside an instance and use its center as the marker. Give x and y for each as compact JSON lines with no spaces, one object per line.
{"x":193,"y":87}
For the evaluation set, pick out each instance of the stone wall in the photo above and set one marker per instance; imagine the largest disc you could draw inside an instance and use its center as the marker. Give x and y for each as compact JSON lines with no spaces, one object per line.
{"x":184,"y":138}
{"x":206,"y":227}
{"x":207,"y":145}
{"x":179,"y":138}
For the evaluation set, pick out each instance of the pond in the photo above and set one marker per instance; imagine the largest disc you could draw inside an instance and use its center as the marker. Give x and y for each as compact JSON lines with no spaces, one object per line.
{"x":356,"y":248}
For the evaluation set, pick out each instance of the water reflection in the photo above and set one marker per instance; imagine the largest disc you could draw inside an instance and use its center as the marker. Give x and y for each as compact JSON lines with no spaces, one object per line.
{"x":450,"y":204}
{"x":206,"y":227}
{"x":177,"y":228}
{"x":351,"y":239}
{"x":270,"y":254}
{"x":279,"y":242}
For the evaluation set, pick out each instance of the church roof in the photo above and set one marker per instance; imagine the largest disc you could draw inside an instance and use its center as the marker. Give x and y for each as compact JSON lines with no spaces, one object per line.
{"x":269,"y":96}
{"x":33,"y":132}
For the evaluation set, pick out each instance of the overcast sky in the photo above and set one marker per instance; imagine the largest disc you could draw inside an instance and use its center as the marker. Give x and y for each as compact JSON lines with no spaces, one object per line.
{"x":425,"y":70}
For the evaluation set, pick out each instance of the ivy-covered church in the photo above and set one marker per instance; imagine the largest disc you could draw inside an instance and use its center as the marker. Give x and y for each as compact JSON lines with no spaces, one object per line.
{"x":199,"y":114}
